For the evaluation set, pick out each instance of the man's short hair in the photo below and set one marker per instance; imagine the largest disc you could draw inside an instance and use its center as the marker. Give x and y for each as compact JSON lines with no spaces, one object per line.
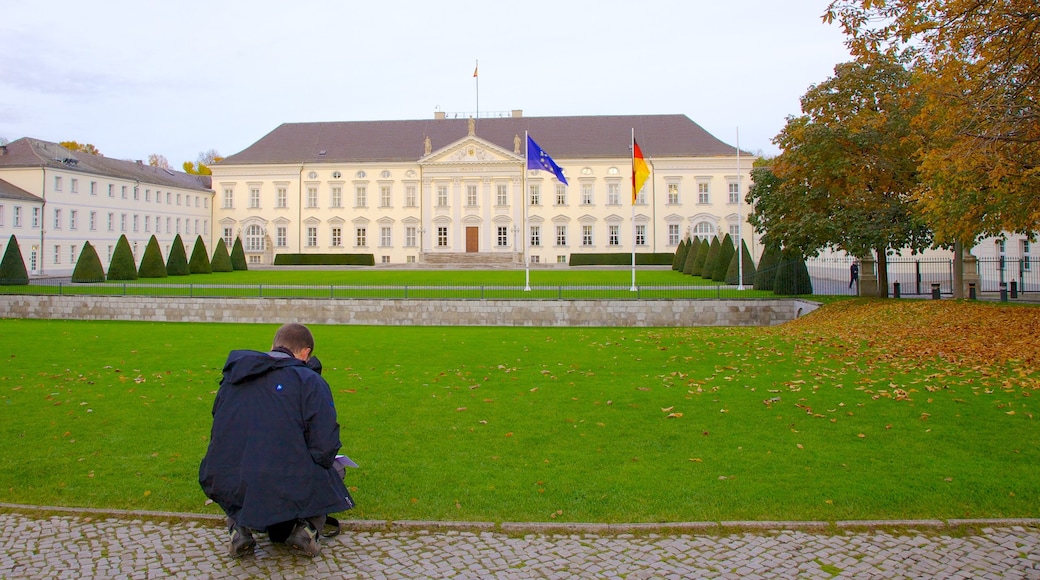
{"x":294,"y":336}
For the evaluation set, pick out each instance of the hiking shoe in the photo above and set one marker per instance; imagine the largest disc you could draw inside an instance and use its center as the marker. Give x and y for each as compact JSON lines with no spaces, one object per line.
{"x":304,"y":538}
{"x":242,"y":542}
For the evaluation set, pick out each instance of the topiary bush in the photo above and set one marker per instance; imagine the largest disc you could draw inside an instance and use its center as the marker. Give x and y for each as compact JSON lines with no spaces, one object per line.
{"x":177,"y":263}
{"x":680,"y":256}
{"x":766,"y":272}
{"x":726,"y":252}
{"x":702,"y":256}
{"x":746,"y":270}
{"x":692,"y":253}
{"x":122,"y":266}
{"x":221,"y":261}
{"x":708,"y":269}
{"x":238,"y":256}
{"x":199,"y":263}
{"x":792,"y":276}
{"x":152,"y":265}
{"x":12,"y":267}
{"x":88,"y":266}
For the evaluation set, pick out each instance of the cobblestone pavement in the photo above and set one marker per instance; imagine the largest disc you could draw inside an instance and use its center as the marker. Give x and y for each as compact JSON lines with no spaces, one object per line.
{"x":101,"y":546}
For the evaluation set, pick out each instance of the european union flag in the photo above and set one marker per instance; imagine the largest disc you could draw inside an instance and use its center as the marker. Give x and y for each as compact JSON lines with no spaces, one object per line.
{"x":538,"y":159}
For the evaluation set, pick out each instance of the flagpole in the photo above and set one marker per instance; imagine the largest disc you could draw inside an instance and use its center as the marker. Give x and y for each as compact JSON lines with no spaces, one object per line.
{"x":476,"y":67}
{"x":740,"y":229}
{"x":526,"y":201}
{"x":632,"y":148}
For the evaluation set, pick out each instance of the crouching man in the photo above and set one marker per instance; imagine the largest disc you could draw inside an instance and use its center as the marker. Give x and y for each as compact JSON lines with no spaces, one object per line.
{"x":274,"y":441}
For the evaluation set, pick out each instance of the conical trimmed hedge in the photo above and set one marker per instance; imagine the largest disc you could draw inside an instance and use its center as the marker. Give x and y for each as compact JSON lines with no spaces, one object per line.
{"x":766,"y":272}
{"x":88,"y":266}
{"x":122,"y":266}
{"x":177,"y":263}
{"x":746,"y":270}
{"x":199,"y":263}
{"x":691,"y":256}
{"x":221,"y":261}
{"x":792,"y":276}
{"x":152,"y":265}
{"x":680,"y":255}
{"x":726,"y":251}
{"x":12,"y":268}
{"x":708,"y":270}
{"x":238,"y":256}
{"x":702,"y":256}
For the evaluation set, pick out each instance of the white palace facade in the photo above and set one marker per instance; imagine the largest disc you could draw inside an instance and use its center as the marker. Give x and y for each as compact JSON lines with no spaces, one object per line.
{"x":452,"y":190}
{"x":53,"y":200}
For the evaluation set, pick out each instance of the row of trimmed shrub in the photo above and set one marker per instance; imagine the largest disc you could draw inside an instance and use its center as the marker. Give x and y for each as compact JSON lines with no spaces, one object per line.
{"x":122,"y":266}
{"x":324,"y":260}
{"x":621,"y":259}
{"x":784,"y":273}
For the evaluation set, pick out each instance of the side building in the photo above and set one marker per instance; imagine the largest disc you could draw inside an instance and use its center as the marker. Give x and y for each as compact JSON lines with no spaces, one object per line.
{"x":53,"y":200}
{"x":456,"y":190}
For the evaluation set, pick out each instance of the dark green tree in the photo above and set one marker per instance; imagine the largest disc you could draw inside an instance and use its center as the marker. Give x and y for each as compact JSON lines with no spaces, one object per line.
{"x":726,"y":252}
{"x":12,"y":268}
{"x":88,"y":266}
{"x":767,"y":265}
{"x":680,"y":256}
{"x":221,"y":259}
{"x":122,"y":266}
{"x":152,"y":265}
{"x":792,"y":276}
{"x":702,"y":256}
{"x":691,"y":256}
{"x":708,"y":270}
{"x":199,"y":263}
{"x":177,"y":263}
{"x":238,"y":256}
{"x":746,"y":270}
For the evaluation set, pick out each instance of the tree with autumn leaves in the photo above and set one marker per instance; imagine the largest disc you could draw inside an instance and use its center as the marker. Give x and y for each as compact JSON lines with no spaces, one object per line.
{"x":930,"y":136}
{"x":847,"y":169}
{"x":976,"y":65}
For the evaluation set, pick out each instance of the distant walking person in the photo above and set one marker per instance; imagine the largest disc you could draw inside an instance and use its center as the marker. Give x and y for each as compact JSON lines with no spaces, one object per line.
{"x":854,"y":273}
{"x":270,"y":462}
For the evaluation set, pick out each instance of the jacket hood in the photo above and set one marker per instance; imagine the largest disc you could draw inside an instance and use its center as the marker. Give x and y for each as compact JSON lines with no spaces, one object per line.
{"x":244,"y":365}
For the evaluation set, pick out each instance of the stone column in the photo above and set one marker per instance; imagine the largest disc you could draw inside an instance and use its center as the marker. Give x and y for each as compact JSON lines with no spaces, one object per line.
{"x":971,"y":274}
{"x":868,"y":282}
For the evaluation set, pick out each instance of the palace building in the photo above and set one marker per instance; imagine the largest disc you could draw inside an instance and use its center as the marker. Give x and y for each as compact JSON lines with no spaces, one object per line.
{"x":53,"y":200}
{"x":455,"y":190}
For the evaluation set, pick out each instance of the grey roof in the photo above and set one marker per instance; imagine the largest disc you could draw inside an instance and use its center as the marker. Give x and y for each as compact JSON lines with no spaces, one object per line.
{"x":27,"y":152}
{"x":11,"y":191}
{"x":561,"y":137}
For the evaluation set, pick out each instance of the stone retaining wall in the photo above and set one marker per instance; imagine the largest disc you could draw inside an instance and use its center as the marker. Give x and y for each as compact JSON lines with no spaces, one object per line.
{"x":756,"y":312}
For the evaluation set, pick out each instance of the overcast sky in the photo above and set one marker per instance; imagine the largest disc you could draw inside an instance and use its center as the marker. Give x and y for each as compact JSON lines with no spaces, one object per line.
{"x":177,"y":78}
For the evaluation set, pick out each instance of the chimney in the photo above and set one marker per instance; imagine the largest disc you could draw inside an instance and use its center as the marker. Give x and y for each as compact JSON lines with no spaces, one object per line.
{"x":438,"y":115}
{"x":517,"y":113}
{"x":139,"y":162}
{"x":3,"y":150}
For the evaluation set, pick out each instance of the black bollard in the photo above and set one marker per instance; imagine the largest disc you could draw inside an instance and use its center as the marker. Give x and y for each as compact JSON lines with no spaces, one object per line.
{"x":935,"y":291}
{"x":1014,"y":289}
{"x":971,"y":291}
{"x":1003,"y":292}
{"x":895,"y":290}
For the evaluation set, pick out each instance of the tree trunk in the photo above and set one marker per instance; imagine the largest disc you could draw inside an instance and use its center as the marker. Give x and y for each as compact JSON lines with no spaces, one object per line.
{"x":882,"y":273}
{"x":958,"y":271}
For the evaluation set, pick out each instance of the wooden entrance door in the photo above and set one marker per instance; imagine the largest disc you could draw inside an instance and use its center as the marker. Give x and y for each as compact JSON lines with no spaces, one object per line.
{"x":472,"y":236}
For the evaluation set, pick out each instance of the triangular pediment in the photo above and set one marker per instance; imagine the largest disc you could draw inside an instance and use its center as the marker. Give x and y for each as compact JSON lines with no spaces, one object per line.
{"x":471,"y":150}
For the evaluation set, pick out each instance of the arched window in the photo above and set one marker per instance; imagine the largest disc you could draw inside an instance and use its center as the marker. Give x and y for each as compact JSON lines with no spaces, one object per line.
{"x":704,"y":230}
{"x":254,"y":239}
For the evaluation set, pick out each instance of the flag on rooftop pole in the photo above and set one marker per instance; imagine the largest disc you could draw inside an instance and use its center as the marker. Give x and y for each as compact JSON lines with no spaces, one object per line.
{"x":539,"y":159}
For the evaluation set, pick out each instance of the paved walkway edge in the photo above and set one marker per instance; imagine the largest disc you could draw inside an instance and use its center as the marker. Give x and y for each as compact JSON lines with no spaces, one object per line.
{"x":567,"y":527}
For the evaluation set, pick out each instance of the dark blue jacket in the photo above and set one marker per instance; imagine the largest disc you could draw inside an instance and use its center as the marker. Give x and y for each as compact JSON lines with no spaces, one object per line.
{"x":274,"y":439}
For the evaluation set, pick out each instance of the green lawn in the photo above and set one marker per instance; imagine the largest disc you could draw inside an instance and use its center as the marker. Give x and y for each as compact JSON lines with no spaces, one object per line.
{"x":530,"y":424}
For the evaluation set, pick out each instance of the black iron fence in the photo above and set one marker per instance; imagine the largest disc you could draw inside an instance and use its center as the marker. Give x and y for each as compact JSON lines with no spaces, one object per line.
{"x":1019,"y":274}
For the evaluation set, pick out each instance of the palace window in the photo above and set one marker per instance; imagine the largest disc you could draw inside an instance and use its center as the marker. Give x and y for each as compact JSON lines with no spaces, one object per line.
{"x":337,"y":197}
{"x":502,"y":194}
{"x":561,"y":194}
{"x":254,"y":238}
{"x":613,"y":193}
{"x":536,"y":235}
{"x":703,"y":193}
{"x":442,"y":196}
{"x":586,"y":235}
{"x":640,"y":235}
{"x":734,"y":193}
{"x":312,"y":236}
{"x":535,"y":194}
{"x":673,"y":234}
{"x":281,"y":197}
{"x":561,"y":235}
{"x":502,"y":236}
{"x":471,"y":195}
{"x":673,"y":193}
{"x":361,"y":237}
{"x":442,"y":237}
{"x":384,"y":236}
{"x":409,"y":196}
{"x":280,"y":236}
{"x":409,"y":236}
{"x":614,"y":235}
{"x":337,"y":236}
{"x":312,"y":197}
{"x":586,"y":194}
